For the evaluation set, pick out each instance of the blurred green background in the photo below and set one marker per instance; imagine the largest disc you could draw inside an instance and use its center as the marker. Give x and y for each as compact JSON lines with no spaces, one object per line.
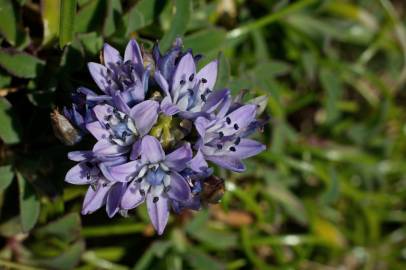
{"x":329,"y":192}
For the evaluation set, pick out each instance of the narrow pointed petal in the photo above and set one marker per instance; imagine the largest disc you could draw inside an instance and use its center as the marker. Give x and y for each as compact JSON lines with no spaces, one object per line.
{"x":77,"y":175}
{"x":99,"y":73}
{"x":97,"y":130}
{"x":121,"y":104}
{"x":132,"y":196}
{"x":209,"y":73}
{"x":133,"y":53}
{"x":104,"y":148}
{"x":198,"y":163}
{"x":136,"y":150}
{"x":228,"y":162}
{"x":168,"y":108}
{"x":179,"y":188}
{"x":80,"y":155}
{"x":184,"y":70}
{"x":151,"y":150}
{"x":161,"y":81}
{"x":94,"y":199}
{"x":158,"y":213}
{"x":111,"y":56}
{"x":114,"y":198}
{"x":125,"y":172}
{"x":177,"y":159}
{"x":145,"y":115}
{"x":247,"y":148}
{"x":239,"y":118}
{"x":215,"y":99}
{"x":201,"y":125}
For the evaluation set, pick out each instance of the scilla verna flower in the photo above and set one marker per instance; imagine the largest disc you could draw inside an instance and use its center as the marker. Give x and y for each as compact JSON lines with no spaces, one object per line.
{"x":136,"y":117}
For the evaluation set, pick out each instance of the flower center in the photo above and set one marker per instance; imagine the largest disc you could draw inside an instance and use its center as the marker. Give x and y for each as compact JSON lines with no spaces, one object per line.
{"x":121,"y":127}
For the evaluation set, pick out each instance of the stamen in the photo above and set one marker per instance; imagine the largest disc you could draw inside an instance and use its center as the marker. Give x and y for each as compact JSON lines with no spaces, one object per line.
{"x":221,"y":134}
{"x":236,"y":127}
{"x":89,"y":164}
{"x":232,"y":149}
{"x":126,"y":118}
{"x":204,"y":80}
{"x":228,"y":120}
{"x":167,"y":188}
{"x":190,"y":92}
{"x":191,"y":77}
{"x":182,"y":82}
{"x":108,"y":117}
{"x":88,"y":176}
{"x":107,"y":125}
{"x":237,"y":141}
{"x":104,"y":184}
{"x":203,"y":97}
{"x":219,"y":146}
{"x":155,"y":199}
{"x":142,"y":192}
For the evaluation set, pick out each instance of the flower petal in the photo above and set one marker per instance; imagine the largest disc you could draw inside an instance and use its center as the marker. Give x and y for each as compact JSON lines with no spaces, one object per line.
{"x":77,"y":175}
{"x":167,"y":107}
{"x":125,"y":172}
{"x":179,"y":188}
{"x":99,"y":73}
{"x":158,"y":212}
{"x":114,"y":198}
{"x":177,"y":159}
{"x":247,"y":148}
{"x":151,"y":150}
{"x":209,"y":73}
{"x":228,"y":162}
{"x":201,"y":125}
{"x":145,"y":115}
{"x":198,"y":163}
{"x":111,"y":56}
{"x":215,"y":99}
{"x":132,"y":196}
{"x":184,"y":70}
{"x":136,"y":150}
{"x":94,"y":199}
{"x":160,"y":80}
{"x":80,"y":155}
{"x":97,"y":130}
{"x":104,"y":148}
{"x":133,"y":53}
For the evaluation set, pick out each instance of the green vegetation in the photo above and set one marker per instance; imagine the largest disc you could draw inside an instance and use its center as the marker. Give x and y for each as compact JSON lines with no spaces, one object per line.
{"x":329,"y":191}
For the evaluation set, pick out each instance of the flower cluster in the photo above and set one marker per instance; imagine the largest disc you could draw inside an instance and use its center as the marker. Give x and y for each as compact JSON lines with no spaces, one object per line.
{"x":157,"y":122}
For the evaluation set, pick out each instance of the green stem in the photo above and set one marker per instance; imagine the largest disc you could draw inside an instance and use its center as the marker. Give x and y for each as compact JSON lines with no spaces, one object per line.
{"x":245,"y":29}
{"x":14,"y":265}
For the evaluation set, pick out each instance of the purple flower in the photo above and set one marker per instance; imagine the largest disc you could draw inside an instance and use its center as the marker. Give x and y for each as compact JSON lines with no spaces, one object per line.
{"x":101,"y":191}
{"x":125,"y":80}
{"x":187,"y":91}
{"x":223,"y":139}
{"x":132,"y":126}
{"x":155,"y":178}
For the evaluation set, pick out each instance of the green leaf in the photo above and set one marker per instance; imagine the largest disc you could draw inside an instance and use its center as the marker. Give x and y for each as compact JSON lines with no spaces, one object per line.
{"x":29,"y":204}
{"x":92,"y":43}
{"x":5,"y":79}
{"x":6,"y":176}
{"x":8,"y":21}
{"x":206,"y":40}
{"x":181,"y":16}
{"x":10,"y":127}
{"x":50,"y":19}
{"x":223,"y":75}
{"x":157,"y":249}
{"x":143,"y":14}
{"x":199,"y":260}
{"x":90,"y":17}
{"x":334,"y":89}
{"x":67,"y":20}
{"x":113,"y":17}
{"x":68,"y":259}
{"x":20,"y":64}
{"x":66,"y":228}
